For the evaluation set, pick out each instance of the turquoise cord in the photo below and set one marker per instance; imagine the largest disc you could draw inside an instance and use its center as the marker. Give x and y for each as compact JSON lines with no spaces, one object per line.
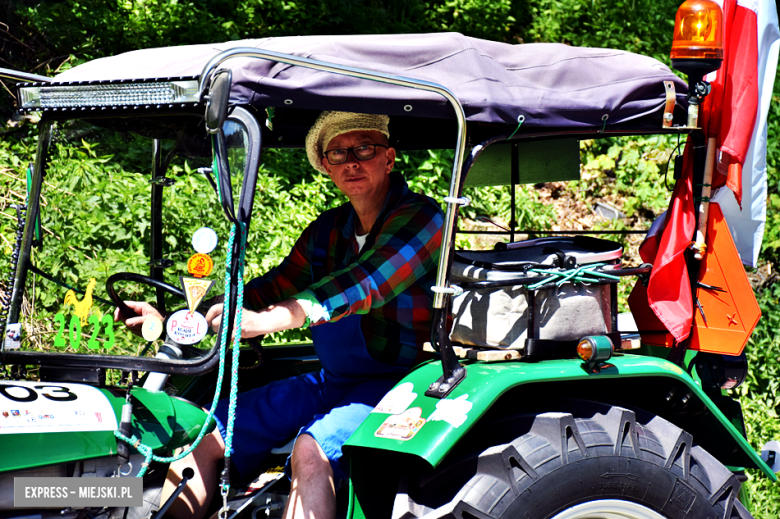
{"x":581,"y":274}
{"x":145,"y":449}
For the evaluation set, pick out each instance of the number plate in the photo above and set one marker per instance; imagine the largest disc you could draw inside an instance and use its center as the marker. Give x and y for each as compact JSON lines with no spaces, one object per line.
{"x":41,"y":407}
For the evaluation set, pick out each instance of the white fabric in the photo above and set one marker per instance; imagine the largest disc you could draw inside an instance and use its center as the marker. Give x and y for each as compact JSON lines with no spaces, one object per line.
{"x":747,"y":225}
{"x":361,"y":240}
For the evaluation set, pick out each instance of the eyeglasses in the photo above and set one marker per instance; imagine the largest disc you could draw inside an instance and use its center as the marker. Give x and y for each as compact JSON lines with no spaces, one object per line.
{"x":362,"y":152}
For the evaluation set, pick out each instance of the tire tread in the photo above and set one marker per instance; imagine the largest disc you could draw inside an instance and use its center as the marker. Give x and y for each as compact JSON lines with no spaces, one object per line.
{"x":607,"y":442}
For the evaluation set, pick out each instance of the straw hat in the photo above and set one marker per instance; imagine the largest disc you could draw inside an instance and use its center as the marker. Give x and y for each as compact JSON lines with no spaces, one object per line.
{"x":332,"y":124}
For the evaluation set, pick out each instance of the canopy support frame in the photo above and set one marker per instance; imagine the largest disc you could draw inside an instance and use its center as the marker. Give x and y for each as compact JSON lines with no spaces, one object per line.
{"x":453,"y":372}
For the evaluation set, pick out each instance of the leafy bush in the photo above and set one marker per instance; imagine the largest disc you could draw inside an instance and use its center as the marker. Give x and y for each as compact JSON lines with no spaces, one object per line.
{"x":631,"y":169}
{"x":761,"y":399}
{"x":641,"y":26}
{"x":771,"y":245}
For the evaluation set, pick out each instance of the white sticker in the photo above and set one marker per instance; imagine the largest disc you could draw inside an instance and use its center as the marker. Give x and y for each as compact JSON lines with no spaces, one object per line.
{"x":186,"y":328}
{"x":453,"y":411}
{"x":397,"y":400}
{"x":401,"y":426}
{"x":204,"y":240}
{"x":152,"y":328}
{"x":13,"y":336}
{"x":44,"y":407}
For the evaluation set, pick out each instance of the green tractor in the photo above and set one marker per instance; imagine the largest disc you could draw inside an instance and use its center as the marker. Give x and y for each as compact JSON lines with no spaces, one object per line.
{"x":541,"y":402}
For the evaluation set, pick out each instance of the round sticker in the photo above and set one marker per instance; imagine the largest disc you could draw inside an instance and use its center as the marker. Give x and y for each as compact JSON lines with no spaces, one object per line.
{"x":204,"y":240}
{"x":200,"y":265}
{"x":186,"y":328}
{"x":152,"y":328}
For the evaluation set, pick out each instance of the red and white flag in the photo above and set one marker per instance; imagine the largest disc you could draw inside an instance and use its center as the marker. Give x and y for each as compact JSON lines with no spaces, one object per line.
{"x":729,"y":113}
{"x":744,"y":202}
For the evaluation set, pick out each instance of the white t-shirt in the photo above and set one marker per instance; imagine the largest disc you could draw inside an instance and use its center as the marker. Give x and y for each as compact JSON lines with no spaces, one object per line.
{"x":361,"y":240}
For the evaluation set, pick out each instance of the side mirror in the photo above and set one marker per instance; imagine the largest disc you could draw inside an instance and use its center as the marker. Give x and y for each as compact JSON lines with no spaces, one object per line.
{"x":217,"y":104}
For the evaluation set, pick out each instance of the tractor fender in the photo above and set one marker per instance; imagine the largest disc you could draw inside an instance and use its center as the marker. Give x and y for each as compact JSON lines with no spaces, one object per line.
{"x":160,"y":421}
{"x":408,"y":422}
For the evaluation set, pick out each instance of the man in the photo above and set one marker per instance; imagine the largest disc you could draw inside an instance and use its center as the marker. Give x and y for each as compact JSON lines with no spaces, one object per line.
{"x":361,"y":277}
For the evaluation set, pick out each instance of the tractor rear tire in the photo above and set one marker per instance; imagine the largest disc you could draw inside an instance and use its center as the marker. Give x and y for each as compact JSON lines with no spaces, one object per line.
{"x":591,"y":461}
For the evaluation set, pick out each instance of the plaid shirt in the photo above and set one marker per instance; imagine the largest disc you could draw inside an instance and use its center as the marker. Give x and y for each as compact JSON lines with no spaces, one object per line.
{"x":388,"y":283}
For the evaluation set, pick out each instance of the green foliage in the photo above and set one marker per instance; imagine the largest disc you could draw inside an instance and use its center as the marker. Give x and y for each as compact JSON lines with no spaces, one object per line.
{"x":641,"y":26}
{"x":488,"y":20}
{"x":761,"y":399}
{"x":771,"y":244}
{"x":17,"y":148}
{"x":630,"y":168}
{"x":427,"y":172}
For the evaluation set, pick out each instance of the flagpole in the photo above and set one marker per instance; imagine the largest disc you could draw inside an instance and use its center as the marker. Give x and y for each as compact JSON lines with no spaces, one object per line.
{"x":700,"y":243}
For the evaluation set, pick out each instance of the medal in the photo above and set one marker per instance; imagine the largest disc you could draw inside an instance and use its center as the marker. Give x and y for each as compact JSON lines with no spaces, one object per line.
{"x":200,"y":265}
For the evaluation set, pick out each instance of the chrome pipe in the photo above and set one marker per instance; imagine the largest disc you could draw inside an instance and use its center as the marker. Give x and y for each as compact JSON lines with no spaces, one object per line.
{"x":15,"y":75}
{"x":449,"y":218}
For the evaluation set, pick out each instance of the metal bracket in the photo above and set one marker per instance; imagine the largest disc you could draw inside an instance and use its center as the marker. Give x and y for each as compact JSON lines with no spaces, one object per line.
{"x":444,"y":385}
{"x":464,"y":201}
{"x":162,"y":263}
{"x":671,"y":100}
{"x":163,"y":181}
{"x":454,"y":290}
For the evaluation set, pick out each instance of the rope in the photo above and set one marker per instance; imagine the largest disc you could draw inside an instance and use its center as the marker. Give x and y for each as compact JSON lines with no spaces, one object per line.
{"x":236,"y":344}
{"x":582,"y":274}
{"x":145,"y":449}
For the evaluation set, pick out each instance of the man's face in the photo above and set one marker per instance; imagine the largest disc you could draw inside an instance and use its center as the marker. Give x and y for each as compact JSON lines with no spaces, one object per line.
{"x":361,"y":178}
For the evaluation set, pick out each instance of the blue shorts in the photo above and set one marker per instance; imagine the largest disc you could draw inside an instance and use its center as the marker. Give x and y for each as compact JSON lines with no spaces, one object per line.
{"x":329,"y":408}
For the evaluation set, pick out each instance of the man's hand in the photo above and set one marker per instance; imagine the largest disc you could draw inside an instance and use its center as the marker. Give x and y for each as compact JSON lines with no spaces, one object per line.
{"x":214,"y":316}
{"x":250,"y":321}
{"x":134,"y":324}
{"x":284,"y":316}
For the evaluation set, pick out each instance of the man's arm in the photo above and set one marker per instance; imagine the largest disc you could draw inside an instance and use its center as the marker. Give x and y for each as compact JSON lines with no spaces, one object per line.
{"x":405,"y":251}
{"x":280,"y":283}
{"x":275,"y":318}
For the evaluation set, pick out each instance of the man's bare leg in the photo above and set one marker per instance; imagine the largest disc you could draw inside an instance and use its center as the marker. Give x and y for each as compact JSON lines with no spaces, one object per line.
{"x":196,"y":496}
{"x":312,"y":492}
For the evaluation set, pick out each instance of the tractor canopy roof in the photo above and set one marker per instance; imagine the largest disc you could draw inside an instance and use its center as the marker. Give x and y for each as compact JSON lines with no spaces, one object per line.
{"x":544,"y":85}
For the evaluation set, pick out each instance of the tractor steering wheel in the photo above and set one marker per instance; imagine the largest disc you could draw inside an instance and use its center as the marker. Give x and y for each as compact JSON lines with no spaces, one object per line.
{"x":255,"y":342}
{"x":138,"y":278}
